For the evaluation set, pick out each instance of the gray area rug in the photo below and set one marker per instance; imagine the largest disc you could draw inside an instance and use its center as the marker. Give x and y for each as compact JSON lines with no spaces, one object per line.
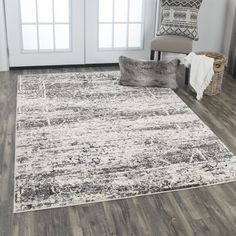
{"x":82,"y":138}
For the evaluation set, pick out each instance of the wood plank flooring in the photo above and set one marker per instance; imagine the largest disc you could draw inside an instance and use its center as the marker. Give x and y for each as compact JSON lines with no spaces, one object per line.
{"x":201,"y":211}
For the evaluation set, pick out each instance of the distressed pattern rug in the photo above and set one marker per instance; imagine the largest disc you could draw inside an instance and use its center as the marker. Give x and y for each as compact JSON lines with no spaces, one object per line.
{"x":82,"y":138}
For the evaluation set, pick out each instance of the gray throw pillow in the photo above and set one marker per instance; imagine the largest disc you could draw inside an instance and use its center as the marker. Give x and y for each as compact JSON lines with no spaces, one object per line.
{"x":141,"y":73}
{"x":179,"y":17}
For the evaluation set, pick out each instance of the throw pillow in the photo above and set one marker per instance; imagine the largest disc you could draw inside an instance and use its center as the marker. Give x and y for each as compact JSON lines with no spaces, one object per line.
{"x":141,"y":73}
{"x":179,"y":17}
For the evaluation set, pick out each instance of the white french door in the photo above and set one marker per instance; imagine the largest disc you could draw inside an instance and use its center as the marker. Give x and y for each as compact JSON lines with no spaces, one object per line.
{"x":45,"y":32}
{"x":63,"y":32}
{"x":119,"y":27}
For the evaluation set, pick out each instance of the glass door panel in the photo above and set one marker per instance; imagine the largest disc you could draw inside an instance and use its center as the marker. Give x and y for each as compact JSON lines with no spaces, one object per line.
{"x":120,"y":18}
{"x":52,"y":21}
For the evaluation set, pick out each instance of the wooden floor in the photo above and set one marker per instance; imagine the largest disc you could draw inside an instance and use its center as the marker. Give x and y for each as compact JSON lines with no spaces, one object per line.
{"x":202,"y":211}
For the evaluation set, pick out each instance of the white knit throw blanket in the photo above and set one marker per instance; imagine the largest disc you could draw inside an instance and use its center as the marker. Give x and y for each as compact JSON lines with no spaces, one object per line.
{"x":202,"y":71}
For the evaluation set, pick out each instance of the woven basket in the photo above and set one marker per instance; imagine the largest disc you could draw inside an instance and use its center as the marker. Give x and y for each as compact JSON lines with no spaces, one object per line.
{"x":219,"y":67}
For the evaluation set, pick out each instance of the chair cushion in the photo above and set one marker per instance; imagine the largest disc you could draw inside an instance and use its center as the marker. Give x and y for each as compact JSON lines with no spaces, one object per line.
{"x":141,"y":73}
{"x":179,"y":17}
{"x":172,"y":43}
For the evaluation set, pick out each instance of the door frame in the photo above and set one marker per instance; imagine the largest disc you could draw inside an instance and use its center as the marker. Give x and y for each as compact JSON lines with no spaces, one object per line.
{"x":4,"y":65}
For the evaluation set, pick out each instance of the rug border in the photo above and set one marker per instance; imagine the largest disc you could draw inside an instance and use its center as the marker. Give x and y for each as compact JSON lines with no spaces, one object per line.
{"x":115,"y":199}
{"x":68,"y":73}
{"x":14,"y":174}
{"x":124,"y":198}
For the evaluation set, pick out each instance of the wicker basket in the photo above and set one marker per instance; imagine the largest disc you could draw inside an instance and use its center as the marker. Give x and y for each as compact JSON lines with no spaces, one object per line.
{"x":219,"y":67}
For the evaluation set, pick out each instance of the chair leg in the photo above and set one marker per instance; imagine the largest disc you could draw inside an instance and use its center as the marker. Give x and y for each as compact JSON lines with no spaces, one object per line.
{"x":187,"y":72}
{"x":152,"y":55}
{"x":159,"y":56}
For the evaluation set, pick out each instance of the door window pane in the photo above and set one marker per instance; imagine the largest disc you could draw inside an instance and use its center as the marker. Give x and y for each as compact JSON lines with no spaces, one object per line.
{"x":62,"y":36}
{"x":135,"y":10}
{"x":46,"y":37}
{"x":28,"y":11}
{"x":105,"y":35}
{"x":45,"y":11}
{"x":120,"y":35}
{"x":121,"y":10}
{"x":105,"y":10}
{"x":61,"y":11}
{"x":135,"y":33}
{"x":29,"y":37}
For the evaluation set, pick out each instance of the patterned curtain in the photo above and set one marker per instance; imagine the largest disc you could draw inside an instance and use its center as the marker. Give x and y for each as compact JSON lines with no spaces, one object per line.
{"x":232,"y":51}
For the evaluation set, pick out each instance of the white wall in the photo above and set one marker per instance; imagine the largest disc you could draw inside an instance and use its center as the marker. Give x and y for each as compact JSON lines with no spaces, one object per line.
{"x":3,"y":42}
{"x":211,"y":24}
{"x":230,"y":14}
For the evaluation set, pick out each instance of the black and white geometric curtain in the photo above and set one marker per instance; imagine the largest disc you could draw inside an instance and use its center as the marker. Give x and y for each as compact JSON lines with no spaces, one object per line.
{"x":232,"y":51}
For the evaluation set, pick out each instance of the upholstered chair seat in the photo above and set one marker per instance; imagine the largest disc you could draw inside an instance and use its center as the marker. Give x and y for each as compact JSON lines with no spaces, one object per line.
{"x":172,"y":43}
